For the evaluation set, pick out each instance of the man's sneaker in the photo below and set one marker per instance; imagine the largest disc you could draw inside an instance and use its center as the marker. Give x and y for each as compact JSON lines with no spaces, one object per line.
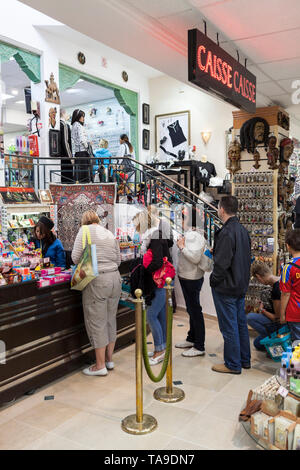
{"x":184,"y":344}
{"x":193,"y":352}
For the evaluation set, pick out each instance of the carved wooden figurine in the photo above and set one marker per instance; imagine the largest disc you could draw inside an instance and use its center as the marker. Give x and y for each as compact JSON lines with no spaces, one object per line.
{"x":234,"y":154}
{"x":52,"y":91}
{"x":256,"y":157}
{"x":273,"y":153}
{"x":52,"y":117}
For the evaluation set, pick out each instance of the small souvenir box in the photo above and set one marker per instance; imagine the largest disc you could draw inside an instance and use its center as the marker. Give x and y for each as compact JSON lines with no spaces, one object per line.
{"x":50,"y":271}
{"x":43,"y":283}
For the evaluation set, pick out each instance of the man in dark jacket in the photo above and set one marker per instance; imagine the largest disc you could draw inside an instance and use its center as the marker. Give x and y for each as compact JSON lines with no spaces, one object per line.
{"x":229,"y":281}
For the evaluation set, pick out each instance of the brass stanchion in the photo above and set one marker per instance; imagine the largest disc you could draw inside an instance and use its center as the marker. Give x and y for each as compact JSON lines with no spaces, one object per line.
{"x":139,"y":423}
{"x":169,"y":394}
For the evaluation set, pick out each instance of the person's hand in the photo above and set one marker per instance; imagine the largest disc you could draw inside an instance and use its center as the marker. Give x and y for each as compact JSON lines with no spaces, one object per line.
{"x":282,"y":319}
{"x":181,"y":243}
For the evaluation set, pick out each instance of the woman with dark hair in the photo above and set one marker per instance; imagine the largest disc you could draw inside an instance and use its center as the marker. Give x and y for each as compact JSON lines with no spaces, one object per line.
{"x":127,"y":150}
{"x":46,"y":240}
{"x":80,"y":147}
{"x":191,"y":278}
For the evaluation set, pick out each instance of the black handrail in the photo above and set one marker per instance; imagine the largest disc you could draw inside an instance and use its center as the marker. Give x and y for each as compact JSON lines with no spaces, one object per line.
{"x":143,"y":173}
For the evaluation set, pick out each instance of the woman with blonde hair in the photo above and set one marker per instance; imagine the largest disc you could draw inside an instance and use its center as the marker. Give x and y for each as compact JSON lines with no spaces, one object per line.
{"x":100,"y":298}
{"x":148,"y":225}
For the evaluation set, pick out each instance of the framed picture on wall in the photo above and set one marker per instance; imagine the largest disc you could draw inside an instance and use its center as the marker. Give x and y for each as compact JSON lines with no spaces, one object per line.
{"x":146,"y":139}
{"x":54,"y":144}
{"x":45,"y":196}
{"x":172,"y":135}
{"x":146,"y":113}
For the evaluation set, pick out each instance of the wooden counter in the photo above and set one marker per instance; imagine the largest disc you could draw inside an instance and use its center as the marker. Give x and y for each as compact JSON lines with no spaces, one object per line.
{"x":45,"y":338}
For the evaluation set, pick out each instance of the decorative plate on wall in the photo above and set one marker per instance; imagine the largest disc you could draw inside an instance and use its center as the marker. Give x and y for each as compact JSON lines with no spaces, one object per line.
{"x":125,"y":76}
{"x":81,"y":58}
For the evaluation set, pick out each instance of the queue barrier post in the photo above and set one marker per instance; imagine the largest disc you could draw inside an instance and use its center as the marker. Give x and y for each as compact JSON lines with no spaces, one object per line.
{"x":139,"y":423}
{"x":169,"y":394}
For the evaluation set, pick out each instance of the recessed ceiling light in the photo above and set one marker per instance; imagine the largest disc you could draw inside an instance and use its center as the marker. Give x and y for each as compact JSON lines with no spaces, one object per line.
{"x":73,"y":90}
{"x":15,"y":92}
{"x":20,"y":102}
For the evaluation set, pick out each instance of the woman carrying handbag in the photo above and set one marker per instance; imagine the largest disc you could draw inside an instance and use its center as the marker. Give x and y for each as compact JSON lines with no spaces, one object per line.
{"x":100,"y":298}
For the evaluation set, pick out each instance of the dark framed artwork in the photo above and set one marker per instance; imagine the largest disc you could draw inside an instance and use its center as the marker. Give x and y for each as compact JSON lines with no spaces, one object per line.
{"x":146,"y":139}
{"x":146,"y":113}
{"x":172,"y":134}
{"x":54,"y":144}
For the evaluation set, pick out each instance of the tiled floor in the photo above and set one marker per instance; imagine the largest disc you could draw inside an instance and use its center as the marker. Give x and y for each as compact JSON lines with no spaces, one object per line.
{"x":86,"y":412}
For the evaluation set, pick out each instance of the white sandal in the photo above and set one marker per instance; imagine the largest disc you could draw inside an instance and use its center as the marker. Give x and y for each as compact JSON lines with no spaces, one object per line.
{"x":156,"y":360}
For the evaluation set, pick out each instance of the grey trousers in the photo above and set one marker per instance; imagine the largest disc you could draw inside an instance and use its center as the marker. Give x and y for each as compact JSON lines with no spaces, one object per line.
{"x":100,"y":305}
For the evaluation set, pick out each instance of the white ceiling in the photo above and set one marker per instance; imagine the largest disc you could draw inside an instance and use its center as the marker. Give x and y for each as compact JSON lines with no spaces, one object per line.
{"x":84,"y":92}
{"x":13,"y":79}
{"x":267,"y":32}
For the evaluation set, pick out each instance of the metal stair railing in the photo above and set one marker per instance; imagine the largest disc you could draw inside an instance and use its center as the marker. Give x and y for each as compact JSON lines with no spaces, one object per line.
{"x":148,"y":185}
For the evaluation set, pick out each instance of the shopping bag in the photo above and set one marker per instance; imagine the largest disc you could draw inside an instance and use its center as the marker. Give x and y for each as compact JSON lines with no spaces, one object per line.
{"x":206,"y":260}
{"x":87,"y":268}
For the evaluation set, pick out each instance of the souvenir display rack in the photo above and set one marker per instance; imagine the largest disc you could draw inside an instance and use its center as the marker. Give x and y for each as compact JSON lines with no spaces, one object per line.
{"x":18,"y":221}
{"x":257,"y":195}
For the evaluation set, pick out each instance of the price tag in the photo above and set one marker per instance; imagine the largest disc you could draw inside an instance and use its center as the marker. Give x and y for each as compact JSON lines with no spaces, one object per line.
{"x":283,"y":392}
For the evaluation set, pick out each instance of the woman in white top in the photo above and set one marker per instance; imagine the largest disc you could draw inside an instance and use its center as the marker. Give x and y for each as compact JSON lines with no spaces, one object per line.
{"x":191,"y":279}
{"x":80,"y":147}
{"x":127,"y":150}
{"x":100,"y":298}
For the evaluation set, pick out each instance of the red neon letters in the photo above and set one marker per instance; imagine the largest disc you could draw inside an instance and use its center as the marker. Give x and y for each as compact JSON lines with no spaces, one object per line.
{"x":220,"y":70}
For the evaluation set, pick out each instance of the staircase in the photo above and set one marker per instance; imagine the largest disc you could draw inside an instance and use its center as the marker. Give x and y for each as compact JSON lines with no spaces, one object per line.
{"x":145,"y":185}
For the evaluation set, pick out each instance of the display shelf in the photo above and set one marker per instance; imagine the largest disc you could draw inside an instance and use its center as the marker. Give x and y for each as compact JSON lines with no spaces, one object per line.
{"x":259,"y":441}
{"x":284,"y":384}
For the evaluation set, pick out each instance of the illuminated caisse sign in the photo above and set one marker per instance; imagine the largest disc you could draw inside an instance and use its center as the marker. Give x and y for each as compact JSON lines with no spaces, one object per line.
{"x":213,"y":69}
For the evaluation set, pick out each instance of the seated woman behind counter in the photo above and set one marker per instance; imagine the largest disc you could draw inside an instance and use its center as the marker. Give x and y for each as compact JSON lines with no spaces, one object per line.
{"x":46,"y":240}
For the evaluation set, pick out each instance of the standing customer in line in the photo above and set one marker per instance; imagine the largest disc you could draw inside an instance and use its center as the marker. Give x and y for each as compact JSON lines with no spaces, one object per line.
{"x":191,"y":279}
{"x":80,"y":147}
{"x":101,"y":296}
{"x":229,"y":281}
{"x":154,"y":239}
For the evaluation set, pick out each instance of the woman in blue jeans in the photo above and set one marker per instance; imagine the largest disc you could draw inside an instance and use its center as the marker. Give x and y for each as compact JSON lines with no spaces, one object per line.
{"x":157,"y":238}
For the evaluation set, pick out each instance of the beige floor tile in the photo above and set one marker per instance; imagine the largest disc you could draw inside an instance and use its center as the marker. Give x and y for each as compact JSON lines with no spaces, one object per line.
{"x":225,"y":406}
{"x":196,"y":398}
{"x":170,"y":417}
{"x":210,"y":432}
{"x":240,"y":385}
{"x":16,"y":435}
{"x":53,"y":442}
{"x":47,"y":415}
{"x":87,"y":411}
{"x":98,"y":432}
{"x":179,"y":444}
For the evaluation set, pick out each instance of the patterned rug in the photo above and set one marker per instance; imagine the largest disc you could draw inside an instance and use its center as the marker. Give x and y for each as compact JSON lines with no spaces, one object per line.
{"x":72,"y":200}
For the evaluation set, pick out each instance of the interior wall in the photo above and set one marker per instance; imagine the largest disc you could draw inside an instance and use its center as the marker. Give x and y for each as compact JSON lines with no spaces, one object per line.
{"x":295,"y":128}
{"x":26,"y":35}
{"x":207,"y":114}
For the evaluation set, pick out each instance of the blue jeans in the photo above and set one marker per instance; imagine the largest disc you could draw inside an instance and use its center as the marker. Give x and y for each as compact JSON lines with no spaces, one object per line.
{"x":295,"y":330}
{"x":233,"y":326}
{"x":156,"y":316}
{"x":263,"y":325}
